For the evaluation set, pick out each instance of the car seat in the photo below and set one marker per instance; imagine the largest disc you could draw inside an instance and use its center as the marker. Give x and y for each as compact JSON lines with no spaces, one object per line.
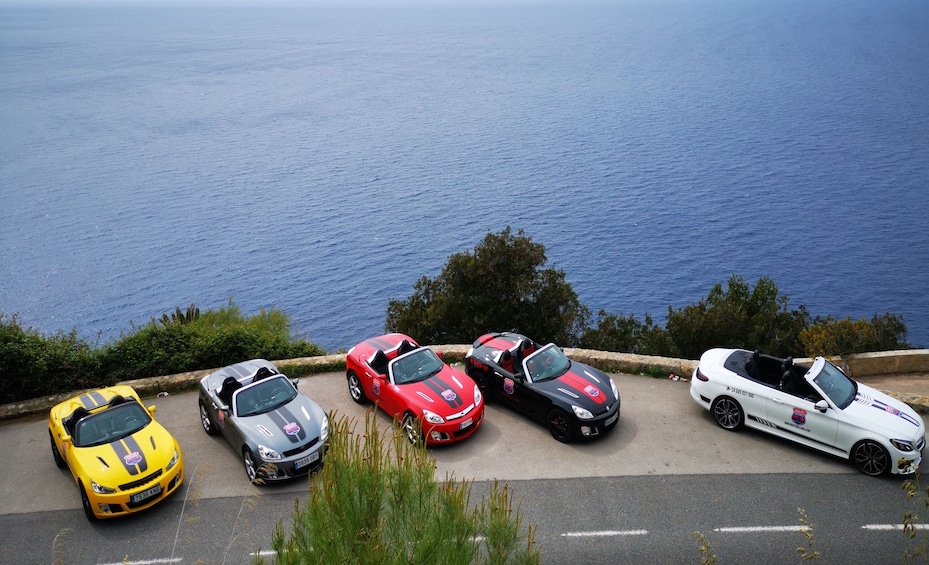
{"x":230,"y":385}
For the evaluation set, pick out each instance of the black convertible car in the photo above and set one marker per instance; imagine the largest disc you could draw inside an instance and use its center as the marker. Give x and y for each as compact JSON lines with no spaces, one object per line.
{"x":573,"y":399}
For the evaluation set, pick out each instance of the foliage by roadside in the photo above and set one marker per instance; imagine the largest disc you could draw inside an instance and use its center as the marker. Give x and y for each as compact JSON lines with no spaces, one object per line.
{"x":377,"y":501}
{"x":502,"y":284}
{"x":33,"y":365}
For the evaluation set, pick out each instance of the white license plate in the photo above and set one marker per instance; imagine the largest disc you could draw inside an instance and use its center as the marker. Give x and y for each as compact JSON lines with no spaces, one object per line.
{"x":139,"y":497}
{"x":466,"y":423}
{"x":306,"y":460}
{"x":611,"y":419}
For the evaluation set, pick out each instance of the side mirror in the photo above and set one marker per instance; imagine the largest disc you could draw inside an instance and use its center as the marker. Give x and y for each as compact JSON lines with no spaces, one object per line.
{"x":439,"y":355}
{"x":822,"y":406}
{"x":152,"y":409}
{"x":295,"y":382}
{"x":66,"y":440}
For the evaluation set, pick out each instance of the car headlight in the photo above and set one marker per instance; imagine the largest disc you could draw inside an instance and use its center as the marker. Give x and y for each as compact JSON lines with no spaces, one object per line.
{"x":582,"y":413}
{"x":268,"y":454}
{"x":173,"y":461}
{"x":432,"y":417}
{"x":903,"y":445}
{"x":477,"y":395}
{"x":615,"y":390}
{"x":100,"y":489}
{"x":324,"y":430}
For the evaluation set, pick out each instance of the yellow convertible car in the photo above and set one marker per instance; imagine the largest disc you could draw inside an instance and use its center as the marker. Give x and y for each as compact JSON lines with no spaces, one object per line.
{"x":122,"y":459}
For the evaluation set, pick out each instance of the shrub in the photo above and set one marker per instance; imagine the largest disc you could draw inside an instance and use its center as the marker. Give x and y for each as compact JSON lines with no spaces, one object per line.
{"x":377,"y":501}
{"x":501,"y":285}
{"x":739,"y":316}
{"x":829,"y":336}
{"x":628,"y":335}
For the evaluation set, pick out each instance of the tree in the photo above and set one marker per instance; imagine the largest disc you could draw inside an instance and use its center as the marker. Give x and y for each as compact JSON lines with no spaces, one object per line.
{"x":502,"y":285}
{"x":739,"y":316}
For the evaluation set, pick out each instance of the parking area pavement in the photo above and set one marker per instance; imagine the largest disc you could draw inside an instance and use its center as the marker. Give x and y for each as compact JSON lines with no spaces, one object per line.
{"x":661,"y":431}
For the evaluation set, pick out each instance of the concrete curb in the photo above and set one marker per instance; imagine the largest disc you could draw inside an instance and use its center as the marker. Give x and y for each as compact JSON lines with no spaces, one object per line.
{"x":886,"y":362}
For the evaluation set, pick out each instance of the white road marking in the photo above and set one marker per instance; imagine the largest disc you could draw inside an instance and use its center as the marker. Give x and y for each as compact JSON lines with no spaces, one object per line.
{"x":752,"y":529}
{"x":894,"y":527}
{"x":148,"y":561}
{"x":605,"y":533}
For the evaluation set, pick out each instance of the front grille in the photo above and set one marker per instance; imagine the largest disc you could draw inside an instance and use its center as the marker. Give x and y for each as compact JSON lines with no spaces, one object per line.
{"x":139,"y":482}
{"x":302,"y":448}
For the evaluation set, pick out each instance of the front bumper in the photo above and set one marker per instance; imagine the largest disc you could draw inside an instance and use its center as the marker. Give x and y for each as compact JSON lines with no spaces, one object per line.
{"x":600,"y":425}
{"x":139,"y":495}
{"x":294,"y":465}
{"x":906,"y":462}
{"x":456,"y":430}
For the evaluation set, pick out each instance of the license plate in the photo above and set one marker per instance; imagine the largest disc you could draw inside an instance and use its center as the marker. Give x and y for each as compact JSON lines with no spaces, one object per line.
{"x":466,"y":423}
{"x":306,"y":460}
{"x":139,"y":497}
{"x":611,"y":419}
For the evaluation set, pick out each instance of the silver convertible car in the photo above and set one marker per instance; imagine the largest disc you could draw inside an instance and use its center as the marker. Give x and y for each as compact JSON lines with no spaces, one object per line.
{"x":279,"y":432}
{"x":817,"y":406}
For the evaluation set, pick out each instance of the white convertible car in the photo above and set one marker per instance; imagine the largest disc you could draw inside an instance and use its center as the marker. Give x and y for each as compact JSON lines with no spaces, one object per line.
{"x":817,"y":406}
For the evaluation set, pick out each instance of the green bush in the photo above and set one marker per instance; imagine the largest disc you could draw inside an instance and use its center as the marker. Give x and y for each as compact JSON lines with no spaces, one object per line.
{"x":501,"y":285}
{"x":34,"y":365}
{"x":829,"y":336}
{"x":739,"y":316}
{"x":377,"y":501}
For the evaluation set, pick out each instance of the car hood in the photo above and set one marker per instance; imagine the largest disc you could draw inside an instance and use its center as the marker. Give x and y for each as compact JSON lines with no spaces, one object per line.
{"x":886,"y":414}
{"x":446,"y":393}
{"x":583,"y":386}
{"x":129,"y":459}
{"x":284,"y":427}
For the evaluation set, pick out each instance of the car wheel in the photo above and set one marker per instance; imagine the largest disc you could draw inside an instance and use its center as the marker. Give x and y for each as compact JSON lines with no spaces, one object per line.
{"x":56,"y":455}
{"x":871,"y":458}
{"x":411,"y":429}
{"x":560,"y":426}
{"x":480,"y":379}
{"x":206,"y":421}
{"x":728,"y":413}
{"x":85,"y":503}
{"x":355,"y":390}
{"x":250,"y":468}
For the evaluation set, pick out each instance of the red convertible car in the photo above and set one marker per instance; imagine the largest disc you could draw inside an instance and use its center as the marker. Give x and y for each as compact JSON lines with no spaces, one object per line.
{"x":412,"y":383}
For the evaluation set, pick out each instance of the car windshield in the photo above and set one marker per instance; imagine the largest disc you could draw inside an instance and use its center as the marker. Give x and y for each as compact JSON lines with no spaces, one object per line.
{"x":111,"y":424}
{"x":550,"y":362}
{"x":263,"y":396}
{"x":415,"y":366}
{"x":840,"y":389}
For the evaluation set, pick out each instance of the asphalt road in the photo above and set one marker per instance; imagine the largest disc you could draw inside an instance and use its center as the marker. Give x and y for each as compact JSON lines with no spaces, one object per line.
{"x":634,"y":496}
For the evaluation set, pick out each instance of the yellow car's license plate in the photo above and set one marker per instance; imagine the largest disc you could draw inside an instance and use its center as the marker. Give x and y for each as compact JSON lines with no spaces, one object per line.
{"x":145,"y":494}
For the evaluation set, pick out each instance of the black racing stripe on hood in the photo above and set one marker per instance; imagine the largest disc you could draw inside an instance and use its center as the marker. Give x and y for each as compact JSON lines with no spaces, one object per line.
{"x":438,"y":386}
{"x":122,"y":451}
{"x":282,"y":417}
{"x":92,"y":400}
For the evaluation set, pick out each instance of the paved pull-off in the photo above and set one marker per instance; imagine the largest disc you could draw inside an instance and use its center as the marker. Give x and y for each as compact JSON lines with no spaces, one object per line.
{"x":661,"y":431}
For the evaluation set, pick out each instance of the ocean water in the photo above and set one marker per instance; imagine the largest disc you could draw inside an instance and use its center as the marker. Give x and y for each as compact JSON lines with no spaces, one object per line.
{"x":322,"y":159}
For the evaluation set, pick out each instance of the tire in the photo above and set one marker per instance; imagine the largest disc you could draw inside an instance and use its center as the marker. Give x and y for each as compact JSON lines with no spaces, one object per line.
{"x":560,"y":425}
{"x":56,"y":455}
{"x":251,"y":470}
{"x":355,"y":389}
{"x":206,"y":421}
{"x":85,"y":504}
{"x":480,"y":379}
{"x":871,"y":458}
{"x":728,"y":413}
{"x":411,"y":429}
